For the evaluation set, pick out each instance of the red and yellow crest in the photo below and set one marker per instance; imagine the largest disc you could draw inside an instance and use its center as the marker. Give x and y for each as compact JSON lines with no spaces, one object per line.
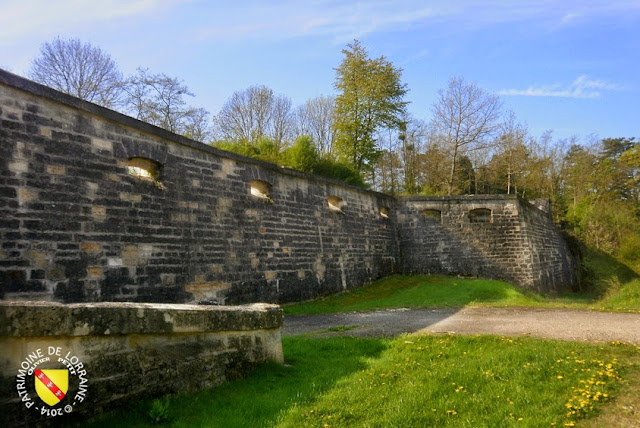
{"x":51,"y":385}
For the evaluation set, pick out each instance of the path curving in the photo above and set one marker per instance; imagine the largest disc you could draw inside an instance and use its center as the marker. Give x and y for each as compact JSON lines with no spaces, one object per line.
{"x":562,"y":324}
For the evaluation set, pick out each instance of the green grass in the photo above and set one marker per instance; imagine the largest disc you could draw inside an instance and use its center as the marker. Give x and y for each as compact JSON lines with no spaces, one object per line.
{"x":407,"y":381}
{"x":609,"y":285}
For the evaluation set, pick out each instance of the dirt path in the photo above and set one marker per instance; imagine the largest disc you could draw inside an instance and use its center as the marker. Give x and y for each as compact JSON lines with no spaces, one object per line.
{"x":563,"y":324}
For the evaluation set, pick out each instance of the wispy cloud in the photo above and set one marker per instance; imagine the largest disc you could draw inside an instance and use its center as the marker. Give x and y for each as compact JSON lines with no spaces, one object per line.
{"x":344,"y":20}
{"x":582,"y":87}
{"x":20,"y":19}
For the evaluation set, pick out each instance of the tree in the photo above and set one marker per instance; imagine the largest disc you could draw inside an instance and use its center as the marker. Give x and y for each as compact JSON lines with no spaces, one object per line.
{"x":281,"y":121}
{"x":511,"y":150}
{"x":315,"y":118}
{"x":302,"y":155}
{"x":78,"y":69}
{"x":159,"y":100}
{"x":197,"y":124}
{"x":464,"y":115}
{"x":255,"y":113}
{"x":371,"y":95}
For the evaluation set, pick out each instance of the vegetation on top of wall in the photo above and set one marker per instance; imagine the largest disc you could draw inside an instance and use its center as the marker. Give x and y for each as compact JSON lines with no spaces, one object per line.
{"x":301,"y":156}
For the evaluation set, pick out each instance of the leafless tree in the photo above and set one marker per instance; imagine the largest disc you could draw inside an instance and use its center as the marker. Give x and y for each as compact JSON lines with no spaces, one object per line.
{"x":159,"y":99}
{"x":78,"y":69}
{"x":253,"y":114}
{"x":246,"y":115}
{"x":197,"y":125}
{"x":315,"y":118}
{"x":465,"y":115}
{"x":281,"y":118}
{"x":511,"y":148}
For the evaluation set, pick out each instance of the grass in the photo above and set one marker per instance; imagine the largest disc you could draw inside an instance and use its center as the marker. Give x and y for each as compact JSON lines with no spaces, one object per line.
{"x":611,"y":286}
{"x":428,"y":380}
{"x":408,"y":381}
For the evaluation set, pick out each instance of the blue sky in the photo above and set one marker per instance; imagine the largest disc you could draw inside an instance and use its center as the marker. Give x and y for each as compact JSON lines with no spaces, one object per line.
{"x":569,"y":66}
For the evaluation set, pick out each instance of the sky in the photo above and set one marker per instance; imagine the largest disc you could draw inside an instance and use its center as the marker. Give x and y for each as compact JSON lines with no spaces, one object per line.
{"x":572,"y":67}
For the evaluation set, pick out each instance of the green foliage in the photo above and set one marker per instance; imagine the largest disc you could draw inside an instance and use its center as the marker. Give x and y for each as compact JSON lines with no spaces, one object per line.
{"x":339,"y":171}
{"x":159,"y":412}
{"x":370,"y":95}
{"x":264,"y":149}
{"x":302,"y":156}
{"x":601,"y":194}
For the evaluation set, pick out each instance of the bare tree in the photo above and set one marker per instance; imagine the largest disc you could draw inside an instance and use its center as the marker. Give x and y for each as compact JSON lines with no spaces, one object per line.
{"x":253,"y":114}
{"x":465,"y":116}
{"x":78,"y":69}
{"x":511,"y":149}
{"x":281,"y":118}
{"x":159,"y":99}
{"x":315,"y":118}
{"x":197,"y":125}
{"x":246,"y":115}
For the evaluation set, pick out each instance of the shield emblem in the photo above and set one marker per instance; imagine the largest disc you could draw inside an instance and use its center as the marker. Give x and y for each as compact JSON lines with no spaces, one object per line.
{"x":51,"y":385}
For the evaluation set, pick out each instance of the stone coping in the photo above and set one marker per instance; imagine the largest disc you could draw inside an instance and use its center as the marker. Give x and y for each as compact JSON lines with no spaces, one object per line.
{"x":463,"y":198}
{"x":42,"y":319}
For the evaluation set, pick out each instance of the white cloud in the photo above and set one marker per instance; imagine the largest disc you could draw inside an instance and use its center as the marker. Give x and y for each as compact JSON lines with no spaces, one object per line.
{"x":582,"y":87}
{"x":20,"y":19}
{"x":340,"y":20}
{"x":344,"y":20}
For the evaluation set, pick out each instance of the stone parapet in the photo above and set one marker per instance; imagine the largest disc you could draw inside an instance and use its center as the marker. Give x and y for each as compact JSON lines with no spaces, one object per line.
{"x":116,"y":352}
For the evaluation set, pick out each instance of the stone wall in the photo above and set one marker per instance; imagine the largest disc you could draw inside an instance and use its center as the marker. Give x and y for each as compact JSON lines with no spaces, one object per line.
{"x":76,"y":226}
{"x":208,"y":226}
{"x":118,"y":352}
{"x":489,"y":236}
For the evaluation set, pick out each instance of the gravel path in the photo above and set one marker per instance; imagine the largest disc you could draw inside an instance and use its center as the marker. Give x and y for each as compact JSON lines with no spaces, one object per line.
{"x":562,"y":324}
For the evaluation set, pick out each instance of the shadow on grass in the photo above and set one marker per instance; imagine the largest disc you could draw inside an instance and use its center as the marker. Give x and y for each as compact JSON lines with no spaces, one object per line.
{"x":412,"y":291}
{"x":312,"y":368}
{"x":602,"y":271}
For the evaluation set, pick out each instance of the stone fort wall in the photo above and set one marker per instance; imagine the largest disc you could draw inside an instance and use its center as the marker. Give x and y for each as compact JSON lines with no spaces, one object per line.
{"x":490,"y":236}
{"x":214,"y":227}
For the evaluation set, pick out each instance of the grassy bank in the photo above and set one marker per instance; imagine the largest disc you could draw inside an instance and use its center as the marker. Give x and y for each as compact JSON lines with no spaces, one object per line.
{"x":609,"y":285}
{"x":408,"y":381}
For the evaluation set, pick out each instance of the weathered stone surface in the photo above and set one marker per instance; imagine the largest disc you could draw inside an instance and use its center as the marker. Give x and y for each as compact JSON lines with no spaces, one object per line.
{"x":75,"y":226}
{"x":64,"y":166}
{"x":518,"y":243}
{"x":128,"y":350}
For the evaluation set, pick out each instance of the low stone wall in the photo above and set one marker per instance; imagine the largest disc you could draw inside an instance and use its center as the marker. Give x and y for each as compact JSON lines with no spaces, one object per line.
{"x":115,"y":352}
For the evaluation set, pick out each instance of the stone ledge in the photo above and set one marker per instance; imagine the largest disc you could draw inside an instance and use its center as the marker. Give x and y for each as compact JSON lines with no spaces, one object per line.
{"x":43,"y":319}
{"x":464,"y":198}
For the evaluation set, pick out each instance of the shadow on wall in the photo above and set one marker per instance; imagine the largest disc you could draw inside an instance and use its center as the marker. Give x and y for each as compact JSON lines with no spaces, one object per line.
{"x":440,"y":250}
{"x":483,"y":236}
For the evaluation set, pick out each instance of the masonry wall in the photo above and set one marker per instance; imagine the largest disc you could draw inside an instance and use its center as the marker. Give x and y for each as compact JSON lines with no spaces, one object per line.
{"x":553,"y":265}
{"x":123,"y":351}
{"x":517,"y":242}
{"x":75,"y":226}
